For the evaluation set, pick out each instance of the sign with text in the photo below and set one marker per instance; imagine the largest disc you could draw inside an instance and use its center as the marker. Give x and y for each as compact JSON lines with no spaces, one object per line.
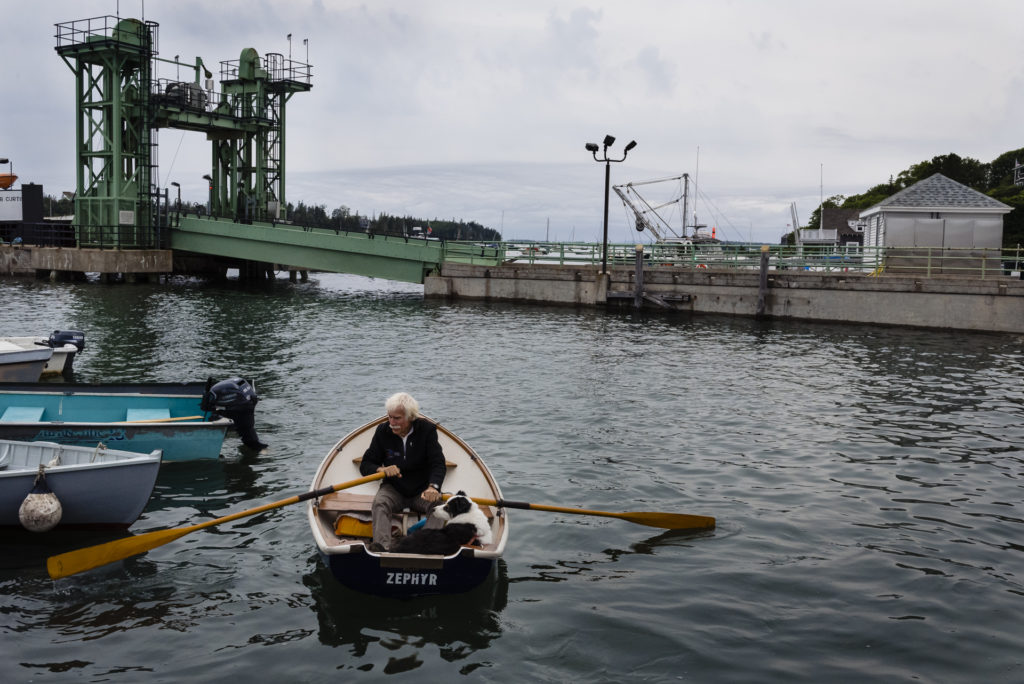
{"x":10,"y":205}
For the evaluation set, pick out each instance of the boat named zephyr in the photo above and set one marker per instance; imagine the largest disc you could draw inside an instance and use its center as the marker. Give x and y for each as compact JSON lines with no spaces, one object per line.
{"x":341,"y":527}
{"x":96,"y":486}
{"x":141,"y":418}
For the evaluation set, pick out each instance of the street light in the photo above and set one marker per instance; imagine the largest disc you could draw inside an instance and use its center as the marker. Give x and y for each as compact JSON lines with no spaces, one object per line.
{"x":178,"y":185}
{"x":209,"y":196}
{"x":609,"y":140}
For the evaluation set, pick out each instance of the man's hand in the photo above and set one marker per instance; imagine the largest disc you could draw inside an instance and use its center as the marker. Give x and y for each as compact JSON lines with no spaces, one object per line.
{"x":430,"y":495}
{"x":390,"y":471}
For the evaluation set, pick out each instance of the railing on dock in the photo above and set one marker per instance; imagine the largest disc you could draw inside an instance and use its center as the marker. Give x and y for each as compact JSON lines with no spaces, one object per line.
{"x":875,"y":261}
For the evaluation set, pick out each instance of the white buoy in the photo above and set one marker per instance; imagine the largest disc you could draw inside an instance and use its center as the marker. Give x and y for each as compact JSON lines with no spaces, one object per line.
{"x":41,"y":509}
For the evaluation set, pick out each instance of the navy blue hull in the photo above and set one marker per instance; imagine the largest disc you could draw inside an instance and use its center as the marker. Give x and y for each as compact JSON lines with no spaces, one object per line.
{"x":407,"y":578}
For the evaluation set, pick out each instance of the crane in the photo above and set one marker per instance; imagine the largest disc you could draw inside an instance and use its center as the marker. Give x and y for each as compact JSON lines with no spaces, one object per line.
{"x":649,"y":218}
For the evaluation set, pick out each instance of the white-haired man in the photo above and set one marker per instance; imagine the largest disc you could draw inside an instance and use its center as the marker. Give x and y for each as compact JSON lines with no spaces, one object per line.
{"x":405,"y":448}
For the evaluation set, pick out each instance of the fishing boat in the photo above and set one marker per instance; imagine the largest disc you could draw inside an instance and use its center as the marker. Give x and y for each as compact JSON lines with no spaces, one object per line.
{"x":96,"y":486}
{"x":18,"y":364}
{"x":141,"y":418}
{"x":65,"y":344}
{"x":340,"y":522}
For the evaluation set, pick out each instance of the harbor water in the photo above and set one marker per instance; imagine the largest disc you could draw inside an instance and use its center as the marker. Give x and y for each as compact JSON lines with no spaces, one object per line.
{"x":868,"y":485}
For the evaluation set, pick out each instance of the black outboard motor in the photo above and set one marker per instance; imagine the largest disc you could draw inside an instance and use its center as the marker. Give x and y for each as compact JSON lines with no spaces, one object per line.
{"x":236,"y":399}
{"x":61,"y":337}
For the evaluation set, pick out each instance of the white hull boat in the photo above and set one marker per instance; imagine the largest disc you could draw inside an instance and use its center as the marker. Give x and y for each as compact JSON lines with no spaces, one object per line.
{"x":96,"y":486}
{"x":18,"y":364}
{"x":63,"y":344}
{"x":342,"y":534}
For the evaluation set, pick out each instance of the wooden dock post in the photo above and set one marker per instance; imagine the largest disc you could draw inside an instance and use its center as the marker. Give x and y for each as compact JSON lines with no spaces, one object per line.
{"x":762,"y":290}
{"x":638,"y":285}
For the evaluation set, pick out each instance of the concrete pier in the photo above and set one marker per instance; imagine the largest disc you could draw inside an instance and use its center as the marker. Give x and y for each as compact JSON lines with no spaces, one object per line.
{"x":955,"y":303}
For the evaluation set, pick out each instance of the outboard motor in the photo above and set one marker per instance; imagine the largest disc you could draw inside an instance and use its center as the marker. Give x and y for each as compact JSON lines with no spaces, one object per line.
{"x":61,"y":337}
{"x":236,"y":399}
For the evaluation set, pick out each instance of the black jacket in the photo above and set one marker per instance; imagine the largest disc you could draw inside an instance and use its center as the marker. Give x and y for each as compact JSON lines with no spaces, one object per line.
{"x":422,"y":462}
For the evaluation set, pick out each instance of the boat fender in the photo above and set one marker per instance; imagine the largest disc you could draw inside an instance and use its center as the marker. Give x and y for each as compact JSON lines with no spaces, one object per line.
{"x":41,"y":510}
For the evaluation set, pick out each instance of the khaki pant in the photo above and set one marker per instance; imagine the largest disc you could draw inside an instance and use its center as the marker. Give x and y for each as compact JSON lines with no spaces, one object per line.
{"x":389,"y":501}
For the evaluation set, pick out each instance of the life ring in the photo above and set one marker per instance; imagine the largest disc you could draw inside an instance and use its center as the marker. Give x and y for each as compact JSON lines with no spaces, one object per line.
{"x":702,"y":265}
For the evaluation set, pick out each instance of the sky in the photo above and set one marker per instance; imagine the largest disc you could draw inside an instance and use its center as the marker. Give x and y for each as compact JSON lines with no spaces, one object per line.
{"x":479,"y":111}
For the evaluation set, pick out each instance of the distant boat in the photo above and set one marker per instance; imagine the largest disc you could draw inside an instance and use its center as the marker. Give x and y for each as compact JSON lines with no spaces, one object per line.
{"x":7,"y":180}
{"x":96,"y":486}
{"x":65,"y":345}
{"x":341,"y":531}
{"x":18,"y":364}
{"x":138,"y":418}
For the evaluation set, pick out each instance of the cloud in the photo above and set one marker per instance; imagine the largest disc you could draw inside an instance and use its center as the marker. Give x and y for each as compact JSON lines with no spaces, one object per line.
{"x":480,"y":111}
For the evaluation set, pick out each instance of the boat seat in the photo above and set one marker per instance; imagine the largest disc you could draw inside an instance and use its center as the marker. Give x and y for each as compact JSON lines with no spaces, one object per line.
{"x":22,"y":414}
{"x":362,"y":503}
{"x":447,"y":464}
{"x":144,"y":414}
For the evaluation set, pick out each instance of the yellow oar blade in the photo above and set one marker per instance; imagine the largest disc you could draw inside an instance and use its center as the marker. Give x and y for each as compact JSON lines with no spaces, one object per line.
{"x":668,"y":521}
{"x":73,"y":562}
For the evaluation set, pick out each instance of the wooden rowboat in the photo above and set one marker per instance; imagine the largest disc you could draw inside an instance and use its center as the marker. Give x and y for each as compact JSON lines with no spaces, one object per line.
{"x":340,"y":523}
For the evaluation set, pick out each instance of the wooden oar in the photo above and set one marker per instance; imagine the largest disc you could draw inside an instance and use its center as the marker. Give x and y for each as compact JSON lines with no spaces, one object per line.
{"x":669,"y":521}
{"x":73,"y":562}
{"x":159,"y":420}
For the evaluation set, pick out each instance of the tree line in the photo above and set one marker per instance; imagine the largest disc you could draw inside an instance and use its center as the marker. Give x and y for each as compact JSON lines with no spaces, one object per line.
{"x":994,"y":179}
{"x":342,"y":218}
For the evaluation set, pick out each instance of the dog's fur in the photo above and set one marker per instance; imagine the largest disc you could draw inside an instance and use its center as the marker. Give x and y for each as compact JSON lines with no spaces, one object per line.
{"x":461,"y":509}
{"x":444,"y":541}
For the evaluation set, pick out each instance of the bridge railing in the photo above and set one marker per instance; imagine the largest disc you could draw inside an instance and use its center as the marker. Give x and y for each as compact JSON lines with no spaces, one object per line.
{"x":918,"y":261}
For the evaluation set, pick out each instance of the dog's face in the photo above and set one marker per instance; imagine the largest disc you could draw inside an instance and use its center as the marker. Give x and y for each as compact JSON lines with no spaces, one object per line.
{"x":458,"y":504}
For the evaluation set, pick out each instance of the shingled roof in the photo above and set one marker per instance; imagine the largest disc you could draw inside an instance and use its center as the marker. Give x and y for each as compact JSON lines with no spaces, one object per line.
{"x":939,"y":192}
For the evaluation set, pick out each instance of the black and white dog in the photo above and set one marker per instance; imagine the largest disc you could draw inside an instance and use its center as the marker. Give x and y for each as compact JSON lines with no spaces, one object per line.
{"x":461,"y":509}
{"x":465,"y":524}
{"x":445,"y":541}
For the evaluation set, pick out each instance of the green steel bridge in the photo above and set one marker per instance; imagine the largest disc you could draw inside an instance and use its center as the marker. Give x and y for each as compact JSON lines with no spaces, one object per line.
{"x":392,"y":257}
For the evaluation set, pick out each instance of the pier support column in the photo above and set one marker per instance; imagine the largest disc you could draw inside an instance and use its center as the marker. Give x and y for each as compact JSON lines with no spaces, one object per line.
{"x":638,"y":285}
{"x":762,"y":290}
{"x":602,"y":283}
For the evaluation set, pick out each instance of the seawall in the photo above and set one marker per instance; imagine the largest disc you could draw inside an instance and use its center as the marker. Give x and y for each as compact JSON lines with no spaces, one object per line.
{"x":959,"y":303}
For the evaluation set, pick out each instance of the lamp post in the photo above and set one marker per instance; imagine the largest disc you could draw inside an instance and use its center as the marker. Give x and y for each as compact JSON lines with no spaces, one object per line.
{"x":209,"y":197}
{"x":593,"y":148}
{"x":178,"y":206}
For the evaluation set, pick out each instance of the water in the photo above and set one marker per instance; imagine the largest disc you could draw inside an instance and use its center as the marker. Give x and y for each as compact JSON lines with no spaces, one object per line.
{"x":868,"y":485}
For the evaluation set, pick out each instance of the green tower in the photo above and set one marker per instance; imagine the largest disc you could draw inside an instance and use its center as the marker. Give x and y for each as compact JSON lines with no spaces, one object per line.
{"x":114,"y":198}
{"x":120,"y":106}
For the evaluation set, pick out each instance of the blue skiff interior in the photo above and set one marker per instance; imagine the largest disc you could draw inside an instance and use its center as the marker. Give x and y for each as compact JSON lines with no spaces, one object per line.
{"x":100,"y":408}
{"x":22,"y":414}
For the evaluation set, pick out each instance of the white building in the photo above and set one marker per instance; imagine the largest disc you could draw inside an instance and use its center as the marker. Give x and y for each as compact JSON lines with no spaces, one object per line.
{"x":935,"y":212}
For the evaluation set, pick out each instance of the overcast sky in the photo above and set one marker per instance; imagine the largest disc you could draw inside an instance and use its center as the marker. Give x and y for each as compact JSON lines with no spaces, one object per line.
{"x":480,"y":110}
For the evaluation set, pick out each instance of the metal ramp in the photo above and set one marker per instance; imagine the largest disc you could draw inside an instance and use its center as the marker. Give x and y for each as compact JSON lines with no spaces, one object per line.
{"x":379,"y":256}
